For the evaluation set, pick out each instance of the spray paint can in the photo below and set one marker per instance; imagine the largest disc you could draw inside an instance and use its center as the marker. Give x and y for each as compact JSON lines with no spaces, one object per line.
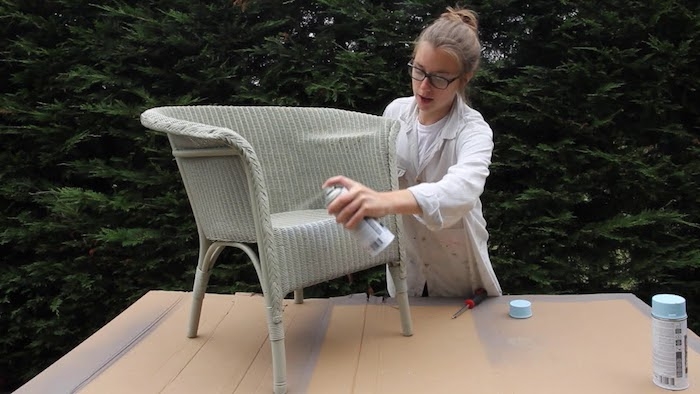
{"x":370,"y":233}
{"x":669,"y":342}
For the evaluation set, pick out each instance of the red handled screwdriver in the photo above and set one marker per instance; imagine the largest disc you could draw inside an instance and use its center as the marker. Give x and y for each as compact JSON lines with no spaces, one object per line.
{"x":479,"y":295}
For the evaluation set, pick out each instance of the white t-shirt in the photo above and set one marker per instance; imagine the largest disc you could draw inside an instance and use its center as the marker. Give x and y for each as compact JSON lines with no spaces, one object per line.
{"x":427,"y":136}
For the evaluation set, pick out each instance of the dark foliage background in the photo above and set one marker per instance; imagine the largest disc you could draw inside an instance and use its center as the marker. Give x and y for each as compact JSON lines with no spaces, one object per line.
{"x":594,"y":184}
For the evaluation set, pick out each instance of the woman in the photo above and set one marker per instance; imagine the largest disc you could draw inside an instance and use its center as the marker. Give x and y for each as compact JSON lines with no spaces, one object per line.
{"x":444,"y":151}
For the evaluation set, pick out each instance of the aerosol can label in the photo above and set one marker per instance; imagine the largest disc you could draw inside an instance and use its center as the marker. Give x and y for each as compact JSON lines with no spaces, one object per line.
{"x":670,"y":353}
{"x":370,"y":233}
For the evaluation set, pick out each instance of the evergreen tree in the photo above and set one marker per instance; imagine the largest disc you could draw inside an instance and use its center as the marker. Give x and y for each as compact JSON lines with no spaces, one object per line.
{"x":596,"y":146}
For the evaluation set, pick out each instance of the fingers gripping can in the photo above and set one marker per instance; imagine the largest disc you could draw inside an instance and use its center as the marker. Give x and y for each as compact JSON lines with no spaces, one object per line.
{"x":371,"y":234}
{"x":669,"y":342}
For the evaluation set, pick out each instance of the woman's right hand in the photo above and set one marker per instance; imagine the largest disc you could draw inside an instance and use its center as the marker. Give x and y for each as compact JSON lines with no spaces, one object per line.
{"x":360,"y":201}
{"x":357,"y":203}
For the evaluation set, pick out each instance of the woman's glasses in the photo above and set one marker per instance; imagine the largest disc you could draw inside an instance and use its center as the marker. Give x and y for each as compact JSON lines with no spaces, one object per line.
{"x":437,"y":81}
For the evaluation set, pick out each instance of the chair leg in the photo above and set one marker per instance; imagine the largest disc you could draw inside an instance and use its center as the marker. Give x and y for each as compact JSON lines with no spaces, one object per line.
{"x":299,"y":296}
{"x":279,"y":357}
{"x":401,"y":285}
{"x":208,"y":253}
{"x":201,"y":279}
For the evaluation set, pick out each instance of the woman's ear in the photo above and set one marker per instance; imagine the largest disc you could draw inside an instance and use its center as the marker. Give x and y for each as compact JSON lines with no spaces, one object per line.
{"x":467,"y":77}
{"x":464,"y":80}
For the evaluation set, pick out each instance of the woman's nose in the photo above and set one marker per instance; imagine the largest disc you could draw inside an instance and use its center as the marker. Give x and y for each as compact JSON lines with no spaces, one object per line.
{"x":425,"y":83}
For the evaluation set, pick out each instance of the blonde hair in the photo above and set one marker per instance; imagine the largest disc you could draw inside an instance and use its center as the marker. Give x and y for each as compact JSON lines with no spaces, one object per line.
{"x":455,"y":32}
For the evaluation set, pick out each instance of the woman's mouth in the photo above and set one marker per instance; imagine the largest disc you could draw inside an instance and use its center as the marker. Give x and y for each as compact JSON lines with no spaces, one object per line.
{"x":423,"y":99}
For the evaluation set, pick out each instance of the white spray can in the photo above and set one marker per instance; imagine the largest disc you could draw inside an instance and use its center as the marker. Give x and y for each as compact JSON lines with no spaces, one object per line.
{"x":669,"y":323}
{"x":370,"y":233}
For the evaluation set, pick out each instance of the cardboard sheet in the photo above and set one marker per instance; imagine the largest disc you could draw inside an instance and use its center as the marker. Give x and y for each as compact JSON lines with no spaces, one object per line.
{"x":573,"y":344}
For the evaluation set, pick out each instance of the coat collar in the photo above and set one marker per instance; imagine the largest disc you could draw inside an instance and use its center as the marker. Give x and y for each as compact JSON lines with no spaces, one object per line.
{"x":449,"y":131}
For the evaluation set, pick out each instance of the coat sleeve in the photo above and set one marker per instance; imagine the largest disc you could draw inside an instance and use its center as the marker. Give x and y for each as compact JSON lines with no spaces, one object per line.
{"x":449,"y":199}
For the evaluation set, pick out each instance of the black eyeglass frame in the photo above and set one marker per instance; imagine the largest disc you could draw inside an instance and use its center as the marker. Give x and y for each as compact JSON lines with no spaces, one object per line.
{"x":430,"y":77}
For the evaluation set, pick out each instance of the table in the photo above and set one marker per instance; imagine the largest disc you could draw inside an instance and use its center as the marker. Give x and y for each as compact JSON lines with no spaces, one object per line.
{"x":598,"y":343}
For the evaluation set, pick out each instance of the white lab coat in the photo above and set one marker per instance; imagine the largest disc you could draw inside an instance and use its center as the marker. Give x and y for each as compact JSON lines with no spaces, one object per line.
{"x":446,"y":246}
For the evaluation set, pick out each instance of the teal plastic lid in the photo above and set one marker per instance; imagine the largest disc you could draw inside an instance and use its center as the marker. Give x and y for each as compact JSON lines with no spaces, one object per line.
{"x":520,"y":309}
{"x":668,"y":306}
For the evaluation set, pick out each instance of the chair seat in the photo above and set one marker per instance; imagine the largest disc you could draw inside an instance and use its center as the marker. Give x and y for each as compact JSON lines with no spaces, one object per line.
{"x":300,"y":218}
{"x":316,"y":248}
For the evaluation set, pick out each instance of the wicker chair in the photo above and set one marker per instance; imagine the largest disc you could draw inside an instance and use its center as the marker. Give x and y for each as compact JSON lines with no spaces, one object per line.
{"x":253,"y":175}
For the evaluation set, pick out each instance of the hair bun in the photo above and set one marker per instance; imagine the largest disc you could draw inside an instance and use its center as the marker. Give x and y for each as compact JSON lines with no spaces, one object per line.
{"x":462,"y":15}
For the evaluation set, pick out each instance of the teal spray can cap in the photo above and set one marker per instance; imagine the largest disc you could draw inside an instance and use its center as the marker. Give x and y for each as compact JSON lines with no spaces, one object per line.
{"x":668,"y":306}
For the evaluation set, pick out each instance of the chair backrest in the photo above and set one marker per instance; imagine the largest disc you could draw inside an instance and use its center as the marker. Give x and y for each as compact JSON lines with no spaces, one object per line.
{"x":297,"y":149}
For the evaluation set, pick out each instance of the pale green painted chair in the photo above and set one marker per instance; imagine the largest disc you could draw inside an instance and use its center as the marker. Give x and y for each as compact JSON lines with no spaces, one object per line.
{"x":253,"y":175}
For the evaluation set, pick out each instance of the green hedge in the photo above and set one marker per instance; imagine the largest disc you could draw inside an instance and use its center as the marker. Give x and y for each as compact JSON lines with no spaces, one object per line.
{"x":593,"y":188}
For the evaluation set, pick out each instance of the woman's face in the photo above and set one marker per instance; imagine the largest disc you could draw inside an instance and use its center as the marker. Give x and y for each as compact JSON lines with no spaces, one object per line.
{"x":434,"y":103}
